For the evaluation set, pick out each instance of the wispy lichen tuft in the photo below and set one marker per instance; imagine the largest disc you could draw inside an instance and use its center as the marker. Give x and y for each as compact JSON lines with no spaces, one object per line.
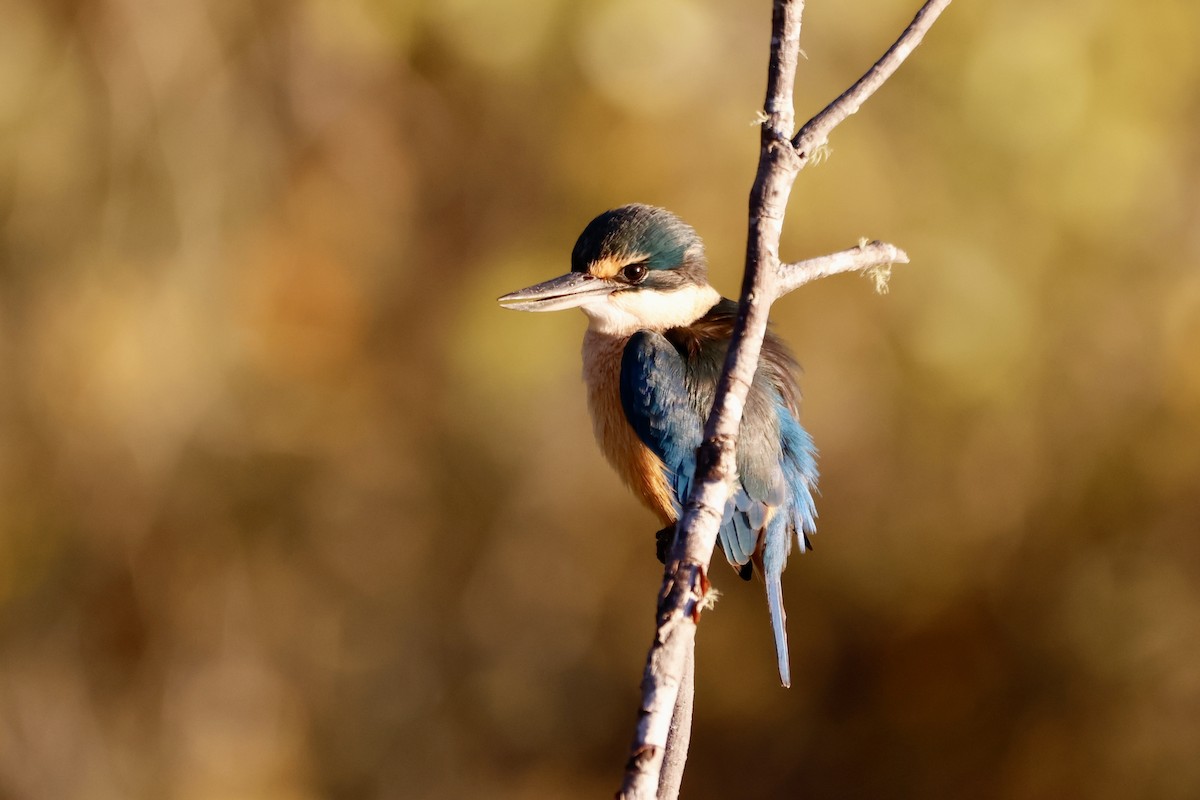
{"x":880,"y":274}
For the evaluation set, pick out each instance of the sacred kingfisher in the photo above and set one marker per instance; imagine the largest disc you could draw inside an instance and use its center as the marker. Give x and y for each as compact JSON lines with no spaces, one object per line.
{"x":652,"y":355}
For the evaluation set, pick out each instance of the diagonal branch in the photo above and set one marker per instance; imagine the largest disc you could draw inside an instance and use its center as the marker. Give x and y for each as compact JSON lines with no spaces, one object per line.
{"x":685,"y":581}
{"x":816,"y":131}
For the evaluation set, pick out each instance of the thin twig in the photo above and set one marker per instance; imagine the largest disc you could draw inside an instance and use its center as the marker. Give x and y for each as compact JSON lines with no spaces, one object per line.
{"x":816,"y":131}
{"x":685,"y":581}
{"x":870,"y":255}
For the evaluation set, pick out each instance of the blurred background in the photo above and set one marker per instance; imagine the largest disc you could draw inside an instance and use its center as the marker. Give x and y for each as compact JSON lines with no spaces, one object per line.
{"x":290,"y":508}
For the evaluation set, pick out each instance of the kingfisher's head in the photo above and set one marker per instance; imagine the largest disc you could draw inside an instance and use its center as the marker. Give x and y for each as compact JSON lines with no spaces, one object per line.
{"x":635,"y":267}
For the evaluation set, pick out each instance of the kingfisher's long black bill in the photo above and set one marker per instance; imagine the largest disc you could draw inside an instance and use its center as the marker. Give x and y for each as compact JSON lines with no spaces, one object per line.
{"x":566,"y":291}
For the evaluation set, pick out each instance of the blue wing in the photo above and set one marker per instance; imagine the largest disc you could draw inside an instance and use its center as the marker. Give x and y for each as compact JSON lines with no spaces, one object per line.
{"x":666,"y":399}
{"x":655,"y":399}
{"x":666,"y":416}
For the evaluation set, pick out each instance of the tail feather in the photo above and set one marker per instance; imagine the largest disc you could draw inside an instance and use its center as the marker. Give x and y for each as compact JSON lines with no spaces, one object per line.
{"x":779,"y":625}
{"x":774,"y":557}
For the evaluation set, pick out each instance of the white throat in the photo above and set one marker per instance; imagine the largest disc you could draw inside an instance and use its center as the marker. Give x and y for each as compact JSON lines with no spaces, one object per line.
{"x":625,"y":313}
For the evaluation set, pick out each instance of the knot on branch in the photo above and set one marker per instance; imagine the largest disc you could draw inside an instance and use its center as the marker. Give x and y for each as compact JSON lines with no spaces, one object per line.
{"x":781,"y":152}
{"x":639,"y":759}
{"x":686,"y":589}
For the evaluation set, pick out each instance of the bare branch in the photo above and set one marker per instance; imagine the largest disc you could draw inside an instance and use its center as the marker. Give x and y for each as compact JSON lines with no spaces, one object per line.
{"x":686,"y":578}
{"x":685,"y":581}
{"x":867,"y":256}
{"x":816,"y":131}
{"x":675,"y":756}
{"x":781,"y":76}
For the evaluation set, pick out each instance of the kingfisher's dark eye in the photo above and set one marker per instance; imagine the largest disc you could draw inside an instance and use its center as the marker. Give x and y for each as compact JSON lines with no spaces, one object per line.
{"x":634,"y":273}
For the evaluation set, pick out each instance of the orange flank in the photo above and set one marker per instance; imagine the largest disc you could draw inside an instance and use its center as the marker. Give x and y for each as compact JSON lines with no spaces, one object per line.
{"x":641,"y":470}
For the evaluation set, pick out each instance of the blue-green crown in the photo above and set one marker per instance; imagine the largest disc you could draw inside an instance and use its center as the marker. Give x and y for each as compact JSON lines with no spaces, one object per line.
{"x":663,"y":240}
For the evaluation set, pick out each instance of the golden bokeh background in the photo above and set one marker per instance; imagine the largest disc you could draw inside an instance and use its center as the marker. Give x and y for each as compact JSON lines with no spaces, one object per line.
{"x":291,"y":509}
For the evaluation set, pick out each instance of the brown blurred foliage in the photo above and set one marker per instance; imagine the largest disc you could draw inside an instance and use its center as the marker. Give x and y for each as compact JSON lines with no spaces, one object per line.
{"x":289,"y":508}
